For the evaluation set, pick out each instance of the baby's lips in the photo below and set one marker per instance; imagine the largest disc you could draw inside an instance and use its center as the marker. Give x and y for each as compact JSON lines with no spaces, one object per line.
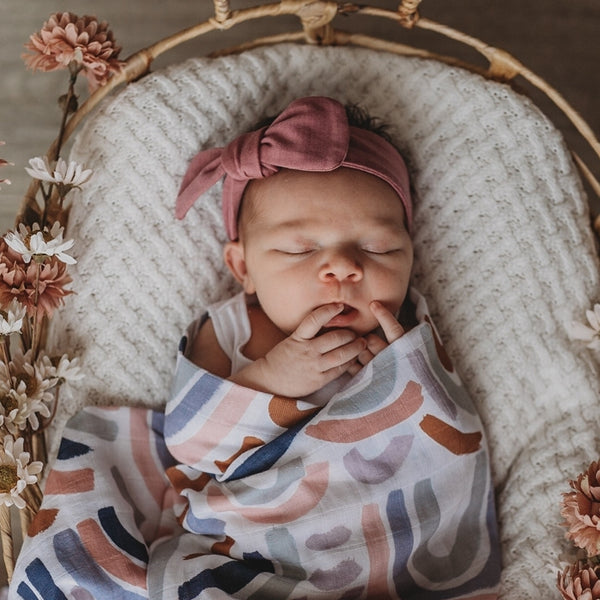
{"x":344,"y":318}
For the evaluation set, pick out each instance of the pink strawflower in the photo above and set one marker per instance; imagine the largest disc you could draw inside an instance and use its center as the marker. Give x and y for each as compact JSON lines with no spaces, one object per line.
{"x":581,"y":510}
{"x":42,"y":292}
{"x":66,"y":38}
{"x":580,"y":581}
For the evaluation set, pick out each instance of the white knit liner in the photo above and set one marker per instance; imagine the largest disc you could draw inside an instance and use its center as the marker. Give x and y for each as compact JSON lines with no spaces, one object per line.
{"x":504,"y":253}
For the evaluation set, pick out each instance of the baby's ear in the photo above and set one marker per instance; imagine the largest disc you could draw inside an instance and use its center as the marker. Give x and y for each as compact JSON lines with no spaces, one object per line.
{"x":235,"y":259}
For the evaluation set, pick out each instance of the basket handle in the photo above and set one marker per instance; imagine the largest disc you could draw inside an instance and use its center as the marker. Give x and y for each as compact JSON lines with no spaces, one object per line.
{"x":408,"y":12}
{"x":222,"y":10}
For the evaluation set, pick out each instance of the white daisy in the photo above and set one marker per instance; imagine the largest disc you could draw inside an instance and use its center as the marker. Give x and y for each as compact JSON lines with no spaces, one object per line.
{"x":25,"y":395}
{"x":35,"y":243}
{"x":16,"y":472}
{"x":68,"y":175}
{"x":20,"y":410}
{"x":591,"y":334}
{"x":62,"y":369}
{"x":11,"y":319}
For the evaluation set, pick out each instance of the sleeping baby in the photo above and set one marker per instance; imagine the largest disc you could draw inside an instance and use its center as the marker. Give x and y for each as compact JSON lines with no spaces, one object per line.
{"x":340,"y":456}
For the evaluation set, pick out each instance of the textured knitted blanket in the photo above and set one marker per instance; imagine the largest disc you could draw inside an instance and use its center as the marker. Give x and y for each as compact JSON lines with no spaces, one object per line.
{"x":503,"y":253}
{"x":385,"y":492}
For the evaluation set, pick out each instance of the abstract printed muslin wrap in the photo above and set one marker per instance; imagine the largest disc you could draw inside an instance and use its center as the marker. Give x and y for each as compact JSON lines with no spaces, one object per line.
{"x":384,"y":492}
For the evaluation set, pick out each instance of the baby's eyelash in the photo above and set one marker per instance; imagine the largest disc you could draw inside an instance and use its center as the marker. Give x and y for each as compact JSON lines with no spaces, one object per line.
{"x":381,"y":252}
{"x":295,"y":252}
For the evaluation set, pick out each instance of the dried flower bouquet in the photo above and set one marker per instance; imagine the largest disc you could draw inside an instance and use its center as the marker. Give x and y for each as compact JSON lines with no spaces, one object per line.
{"x":580,"y":507}
{"x":34,"y":260}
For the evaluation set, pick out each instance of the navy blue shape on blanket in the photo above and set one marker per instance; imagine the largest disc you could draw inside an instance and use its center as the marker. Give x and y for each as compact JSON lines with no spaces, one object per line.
{"x":229,"y":577}
{"x":71,"y":449}
{"x":120,"y":536}
{"x":43,"y":582}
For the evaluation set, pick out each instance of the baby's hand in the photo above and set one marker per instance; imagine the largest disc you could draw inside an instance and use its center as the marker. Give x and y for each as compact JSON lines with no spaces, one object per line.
{"x":391,"y":329}
{"x":305,"y":361}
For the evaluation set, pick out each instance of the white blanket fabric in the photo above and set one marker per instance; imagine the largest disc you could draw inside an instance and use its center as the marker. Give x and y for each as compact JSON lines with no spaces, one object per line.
{"x":504,"y":253}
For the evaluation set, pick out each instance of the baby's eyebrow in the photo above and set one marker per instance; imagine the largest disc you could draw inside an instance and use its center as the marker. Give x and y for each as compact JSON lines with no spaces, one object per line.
{"x":382,"y":222}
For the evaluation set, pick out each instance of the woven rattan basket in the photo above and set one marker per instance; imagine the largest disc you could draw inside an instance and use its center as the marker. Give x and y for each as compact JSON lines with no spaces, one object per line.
{"x":318,"y":26}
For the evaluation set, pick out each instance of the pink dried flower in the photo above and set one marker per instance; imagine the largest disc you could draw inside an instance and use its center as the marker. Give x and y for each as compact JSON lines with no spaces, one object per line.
{"x":42,"y":292}
{"x":66,"y":38}
{"x":579,"y":581}
{"x":581,"y":510}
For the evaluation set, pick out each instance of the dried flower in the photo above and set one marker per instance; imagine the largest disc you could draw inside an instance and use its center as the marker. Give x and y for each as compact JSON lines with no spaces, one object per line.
{"x":33,"y":243}
{"x":580,"y":581}
{"x":64,"y":176}
{"x":3,"y":163}
{"x":590,"y":334}
{"x":581,"y":510}
{"x":39,"y":288}
{"x":16,"y":472}
{"x":62,"y":368}
{"x":11,"y":319}
{"x":66,"y":40}
{"x":24,"y":392}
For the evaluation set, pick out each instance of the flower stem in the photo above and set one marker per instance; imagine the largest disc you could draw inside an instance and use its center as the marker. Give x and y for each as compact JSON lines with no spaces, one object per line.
{"x":35,"y":341}
{"x":67,"y":106}
{"x":7,"y":540}
{"x":5,"y":350}
{"x":66,"y":110}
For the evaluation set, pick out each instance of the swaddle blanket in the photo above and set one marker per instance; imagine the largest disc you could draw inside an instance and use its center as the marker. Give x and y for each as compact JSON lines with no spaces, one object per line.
{"x":384,"y":492}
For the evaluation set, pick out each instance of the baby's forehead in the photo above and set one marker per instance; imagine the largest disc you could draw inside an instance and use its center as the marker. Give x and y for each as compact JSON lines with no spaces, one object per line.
{"x":344,"y":194}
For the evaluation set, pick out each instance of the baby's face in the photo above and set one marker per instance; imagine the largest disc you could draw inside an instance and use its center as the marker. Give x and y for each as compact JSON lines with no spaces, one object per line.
{"x":318,"y":238}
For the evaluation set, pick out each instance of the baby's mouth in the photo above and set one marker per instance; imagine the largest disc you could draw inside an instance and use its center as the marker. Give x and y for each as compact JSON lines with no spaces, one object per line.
{"x":343,"y":318}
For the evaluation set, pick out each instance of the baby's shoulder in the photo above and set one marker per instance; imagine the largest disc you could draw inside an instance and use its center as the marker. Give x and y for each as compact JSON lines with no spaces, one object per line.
{"x":264,"y":335}
{"x":207,"y":353}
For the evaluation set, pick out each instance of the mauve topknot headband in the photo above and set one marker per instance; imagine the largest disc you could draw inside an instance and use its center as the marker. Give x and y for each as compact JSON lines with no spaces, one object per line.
{"x":311,"y":134}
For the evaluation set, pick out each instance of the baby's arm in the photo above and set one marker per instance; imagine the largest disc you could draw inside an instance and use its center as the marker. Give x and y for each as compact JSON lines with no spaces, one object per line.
{"x":207,"y":353}
{"x":304,"y":361}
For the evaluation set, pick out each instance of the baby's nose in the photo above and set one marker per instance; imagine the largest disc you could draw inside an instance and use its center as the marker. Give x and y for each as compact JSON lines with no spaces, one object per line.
{"x":341,"y":266}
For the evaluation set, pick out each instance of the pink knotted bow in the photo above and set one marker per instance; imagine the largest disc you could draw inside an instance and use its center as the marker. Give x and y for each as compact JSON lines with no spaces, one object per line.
{"x":311,"y":134}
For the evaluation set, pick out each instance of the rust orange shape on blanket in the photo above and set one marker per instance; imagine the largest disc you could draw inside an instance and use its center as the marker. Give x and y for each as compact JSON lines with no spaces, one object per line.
{"x":354,"y":430}
{"x":308,"y":494}
{"x":285,"y":412}
{"x":70,"y":482}
{"x":250,"y":442}
{"x":180,"y":481}
{"x":43,"y":519}
{"x":451,"y":438}
{"x":108,"y":557}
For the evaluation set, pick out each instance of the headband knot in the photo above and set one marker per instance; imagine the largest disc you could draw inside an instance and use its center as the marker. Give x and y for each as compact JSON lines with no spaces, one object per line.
{"x":241,"y":159}
{"x":311,"y":134}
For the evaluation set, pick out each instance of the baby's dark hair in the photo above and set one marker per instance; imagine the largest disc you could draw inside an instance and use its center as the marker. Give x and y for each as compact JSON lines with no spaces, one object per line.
{"x":358,"y":116}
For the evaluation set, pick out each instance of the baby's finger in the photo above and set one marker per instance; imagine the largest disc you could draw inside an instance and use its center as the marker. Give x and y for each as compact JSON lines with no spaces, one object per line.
{"x":365,"y":357}
{"x":333,"y":339}
{"x":354,"y":367}
{"x":391,"y":328}
{"x":375,"y":344}
{"x":316,"y":320}
{"x":339,"y":357}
